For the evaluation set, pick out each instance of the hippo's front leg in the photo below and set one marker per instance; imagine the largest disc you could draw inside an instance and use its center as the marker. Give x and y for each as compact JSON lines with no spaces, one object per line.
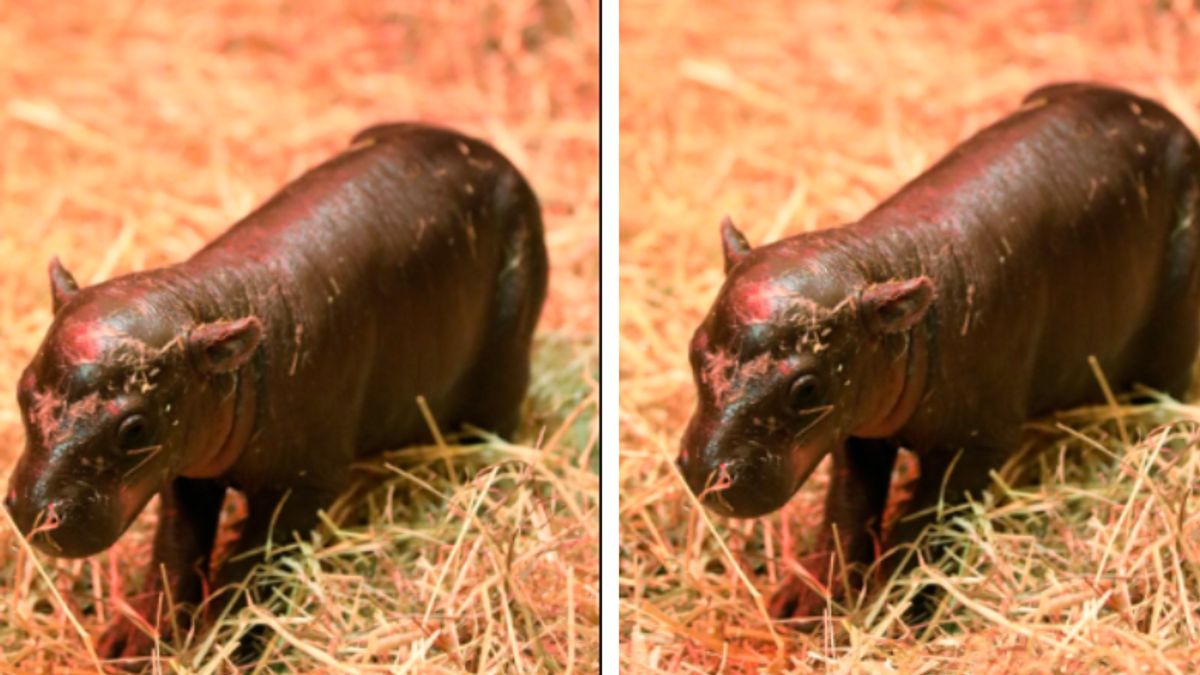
{"x":183,"y":544}
{"x":948,"y":478}
{"x":275,"y":516}
{"x":850,"y":533}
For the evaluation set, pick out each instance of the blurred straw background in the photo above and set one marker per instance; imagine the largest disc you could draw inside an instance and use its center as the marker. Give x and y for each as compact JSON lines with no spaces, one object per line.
{"x":794,"y":116}
{"x":131,"y":132}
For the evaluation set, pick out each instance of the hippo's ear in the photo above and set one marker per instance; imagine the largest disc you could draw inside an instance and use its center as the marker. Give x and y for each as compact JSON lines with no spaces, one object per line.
{"x":62,"y":284}
{"x":224,"y":346}
{"x":896,"y":305}
{"x":733,"y":242}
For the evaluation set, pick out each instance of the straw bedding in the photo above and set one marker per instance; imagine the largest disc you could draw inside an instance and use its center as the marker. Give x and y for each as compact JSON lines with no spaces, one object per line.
{"x":798,"y":116}
{"x":133,"y":132}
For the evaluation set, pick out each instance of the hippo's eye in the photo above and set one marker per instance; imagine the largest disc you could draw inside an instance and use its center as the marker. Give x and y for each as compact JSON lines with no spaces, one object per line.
{"x":134,"y":432}
{"x":805,"y":393}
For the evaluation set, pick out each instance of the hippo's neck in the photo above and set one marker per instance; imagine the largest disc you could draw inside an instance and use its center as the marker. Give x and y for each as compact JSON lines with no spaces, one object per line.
{"x":241,"y":427}
{"x":179,"y":297}
{"x":913,"y":377}
{"x":876,"y":260}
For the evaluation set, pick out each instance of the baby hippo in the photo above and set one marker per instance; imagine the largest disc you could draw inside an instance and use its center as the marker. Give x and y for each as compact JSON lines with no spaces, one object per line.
{"x":411,"y":265}
{"x":943,"y":319}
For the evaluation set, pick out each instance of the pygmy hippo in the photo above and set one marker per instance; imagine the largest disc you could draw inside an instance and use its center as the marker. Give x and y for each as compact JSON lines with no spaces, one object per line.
{"x":410,"y":265}
{"x":966,"y":303}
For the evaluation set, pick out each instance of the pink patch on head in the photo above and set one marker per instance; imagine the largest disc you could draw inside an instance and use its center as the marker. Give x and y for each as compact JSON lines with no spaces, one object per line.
{"x":47,"y":409}
{"x":86,"y":406}
{"x":716,"y":375}
{"x":84,"y":341}
{"x":55,"y":419}
{"x":755,"y":302}
{"x":756,"y":368}
{"x":727,"y":380}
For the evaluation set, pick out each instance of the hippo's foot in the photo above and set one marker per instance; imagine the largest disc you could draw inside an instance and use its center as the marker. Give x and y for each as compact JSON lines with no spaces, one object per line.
{"x":807,"y":596}
{"x":132,"y":642}
{"x":796,"y":599}
{"x":129,"y":642}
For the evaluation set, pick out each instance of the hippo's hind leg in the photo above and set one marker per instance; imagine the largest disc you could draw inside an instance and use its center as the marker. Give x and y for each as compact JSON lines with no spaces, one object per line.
{"x":493,"y":389}
{"x":1170,"y":339}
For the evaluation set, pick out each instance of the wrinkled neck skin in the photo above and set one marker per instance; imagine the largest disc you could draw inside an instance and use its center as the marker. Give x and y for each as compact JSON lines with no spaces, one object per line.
{"x":236,"y":416}
{"x":216,"y":294}
{"x":224,"y":421}
{"x":898,"y":372}
{"x":906,"y":377}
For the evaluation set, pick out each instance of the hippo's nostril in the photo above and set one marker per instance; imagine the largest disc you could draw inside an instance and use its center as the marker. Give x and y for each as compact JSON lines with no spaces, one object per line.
{"x":49,"y":518}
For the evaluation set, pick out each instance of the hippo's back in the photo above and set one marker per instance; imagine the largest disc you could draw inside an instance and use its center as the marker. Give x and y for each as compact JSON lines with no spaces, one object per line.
{"x":1064,"y":231}
{"x":376,"y":274}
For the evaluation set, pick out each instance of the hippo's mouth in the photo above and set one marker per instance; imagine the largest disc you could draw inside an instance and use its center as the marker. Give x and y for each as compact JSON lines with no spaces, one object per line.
{"x":813,"y":458}
{"x":61,"y":531}
{"x":77,"y":525}
{"x":746,"y":489}
{"x":721,"y":480}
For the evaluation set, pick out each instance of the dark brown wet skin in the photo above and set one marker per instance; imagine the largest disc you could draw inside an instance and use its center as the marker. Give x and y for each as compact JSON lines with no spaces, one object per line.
{"x":947,"y":316}
{"x":412,"y":264}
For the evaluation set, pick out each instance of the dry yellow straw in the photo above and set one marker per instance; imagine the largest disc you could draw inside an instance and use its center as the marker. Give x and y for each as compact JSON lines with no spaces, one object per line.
{"x":62,"y":604}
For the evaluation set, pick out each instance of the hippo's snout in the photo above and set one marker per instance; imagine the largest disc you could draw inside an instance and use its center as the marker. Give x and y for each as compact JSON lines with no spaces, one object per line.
{"x":63,"y":523}
{"x":738,"y":474}
{"x":741,"y":488}
{"x":64,"y":529}
{"x":731,"y":475}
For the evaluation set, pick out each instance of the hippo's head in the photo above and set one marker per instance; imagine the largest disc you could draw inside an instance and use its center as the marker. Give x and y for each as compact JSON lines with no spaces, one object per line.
{"x":124,"y":394}
{"x":797,"y":354}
